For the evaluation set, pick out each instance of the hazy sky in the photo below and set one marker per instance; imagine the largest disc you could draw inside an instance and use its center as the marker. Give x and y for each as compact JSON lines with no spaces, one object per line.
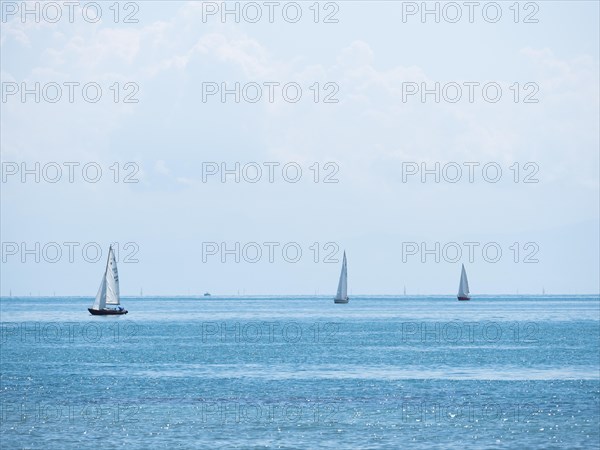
{"x":533,"y":113}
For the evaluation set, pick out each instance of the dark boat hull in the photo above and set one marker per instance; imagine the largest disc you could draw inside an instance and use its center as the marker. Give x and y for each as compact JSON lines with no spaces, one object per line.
{"x":107,"y":312}
{"x":464,"y":298}
{"x":335,"y":300}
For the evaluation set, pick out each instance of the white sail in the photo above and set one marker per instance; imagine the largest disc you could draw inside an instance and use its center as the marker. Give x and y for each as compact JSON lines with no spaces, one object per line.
{"x":342,"y":291}
{"x":463,"y":287}
{"x":108,"y":293}
{"x":100,"y":301}
{"x":112,"y":280}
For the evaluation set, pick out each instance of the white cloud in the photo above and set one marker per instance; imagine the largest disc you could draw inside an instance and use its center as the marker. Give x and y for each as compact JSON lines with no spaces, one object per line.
{"x":161,"y":167}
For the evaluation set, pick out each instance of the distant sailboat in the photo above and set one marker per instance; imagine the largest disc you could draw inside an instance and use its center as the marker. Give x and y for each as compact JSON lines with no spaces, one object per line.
{"x":463,"y":287}
{"x":342,"y":291}
{"x":108,"y":294}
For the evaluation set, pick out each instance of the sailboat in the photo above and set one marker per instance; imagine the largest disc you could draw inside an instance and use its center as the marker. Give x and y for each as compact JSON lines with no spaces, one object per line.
{"x":108,"y":294}
{"x":342,"y":291}
{"x":463,"y":287}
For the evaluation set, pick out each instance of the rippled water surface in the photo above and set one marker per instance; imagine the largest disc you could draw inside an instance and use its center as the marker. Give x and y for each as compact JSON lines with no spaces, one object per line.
{"x":301,"y":372}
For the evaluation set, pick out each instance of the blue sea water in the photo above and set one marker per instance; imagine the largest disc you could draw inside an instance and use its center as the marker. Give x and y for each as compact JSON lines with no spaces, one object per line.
{"x":301,"y":372}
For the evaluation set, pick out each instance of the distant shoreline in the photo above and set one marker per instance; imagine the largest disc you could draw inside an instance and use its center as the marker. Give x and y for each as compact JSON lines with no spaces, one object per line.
{"x":309,"y":296}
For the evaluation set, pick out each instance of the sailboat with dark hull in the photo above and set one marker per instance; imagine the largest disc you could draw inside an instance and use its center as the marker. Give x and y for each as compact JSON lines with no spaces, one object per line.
{"x":107,"y":302}
{"x":107,"y":312}
{"x":463,"y":286}
{"x":342,"y":292}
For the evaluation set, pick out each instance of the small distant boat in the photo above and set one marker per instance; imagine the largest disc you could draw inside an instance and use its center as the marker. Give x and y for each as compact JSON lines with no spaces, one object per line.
{"x":342,"y":291}
{"x":108,"y":294}
{"x":463,"y":287}
{"x":207,"y":294}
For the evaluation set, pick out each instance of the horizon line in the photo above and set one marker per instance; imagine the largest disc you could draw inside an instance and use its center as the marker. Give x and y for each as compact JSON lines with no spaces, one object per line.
{"x":303,"y":295}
